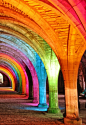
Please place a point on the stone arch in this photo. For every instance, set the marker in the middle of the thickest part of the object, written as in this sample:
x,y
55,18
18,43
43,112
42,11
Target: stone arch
x,y
7,71
29,65
70,58
22,71
7,76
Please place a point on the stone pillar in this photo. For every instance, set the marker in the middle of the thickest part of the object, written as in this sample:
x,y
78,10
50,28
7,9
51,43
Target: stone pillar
x,y
36,91
70,72
41,73
71,97
53,96
70,61
35,88
53,69
35,83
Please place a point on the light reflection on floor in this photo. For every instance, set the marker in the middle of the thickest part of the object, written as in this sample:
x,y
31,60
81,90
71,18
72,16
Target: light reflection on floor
x,y
34,107
22,102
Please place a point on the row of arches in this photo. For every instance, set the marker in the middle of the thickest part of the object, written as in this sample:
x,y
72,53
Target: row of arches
x,y
37,34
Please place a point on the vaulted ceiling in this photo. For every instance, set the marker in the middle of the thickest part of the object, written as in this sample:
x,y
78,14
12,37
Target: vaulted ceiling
x,y
45,25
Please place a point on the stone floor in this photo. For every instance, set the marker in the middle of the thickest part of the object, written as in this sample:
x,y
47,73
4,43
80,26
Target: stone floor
x,y
15,110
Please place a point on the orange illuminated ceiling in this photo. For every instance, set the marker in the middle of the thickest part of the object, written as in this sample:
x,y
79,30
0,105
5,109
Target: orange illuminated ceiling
x,y
54,20
61,24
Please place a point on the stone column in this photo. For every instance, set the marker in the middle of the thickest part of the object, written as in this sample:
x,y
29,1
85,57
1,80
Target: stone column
x,y
70,72
41,73
53,69
53,96
71,97
35,83
70,61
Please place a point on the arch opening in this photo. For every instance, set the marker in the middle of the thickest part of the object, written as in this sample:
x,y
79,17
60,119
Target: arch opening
x,y
4,80
1,78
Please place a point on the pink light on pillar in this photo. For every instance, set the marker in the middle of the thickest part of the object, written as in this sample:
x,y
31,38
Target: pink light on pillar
x,y
35,83
27,85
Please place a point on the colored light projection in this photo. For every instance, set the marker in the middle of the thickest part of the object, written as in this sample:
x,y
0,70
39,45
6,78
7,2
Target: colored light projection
x,y
10,75
55,21
22,71
45,46
13,74
35,87
42,81
29,65
10,82
9,66
13,67
74,15
53,74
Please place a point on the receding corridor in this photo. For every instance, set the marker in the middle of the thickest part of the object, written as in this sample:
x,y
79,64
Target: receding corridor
x,y
43,62
17,109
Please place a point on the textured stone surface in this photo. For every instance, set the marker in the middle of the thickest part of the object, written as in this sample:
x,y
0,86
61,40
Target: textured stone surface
x,y
10,113
62,24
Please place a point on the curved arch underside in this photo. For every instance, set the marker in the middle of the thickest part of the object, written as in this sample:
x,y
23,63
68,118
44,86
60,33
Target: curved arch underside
x,y
44,36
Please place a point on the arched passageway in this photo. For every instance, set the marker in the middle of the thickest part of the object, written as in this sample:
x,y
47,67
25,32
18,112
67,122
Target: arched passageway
x,y
54,29
5,81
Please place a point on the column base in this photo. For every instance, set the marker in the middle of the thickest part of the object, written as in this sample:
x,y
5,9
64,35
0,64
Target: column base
x,y
55,111
43,105
71,121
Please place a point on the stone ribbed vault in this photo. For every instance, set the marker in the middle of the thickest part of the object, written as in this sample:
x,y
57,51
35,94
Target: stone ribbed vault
x,y
56,31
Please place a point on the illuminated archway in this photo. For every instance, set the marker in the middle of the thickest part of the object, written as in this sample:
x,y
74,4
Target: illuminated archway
x,y
67,42
1,78
10,75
